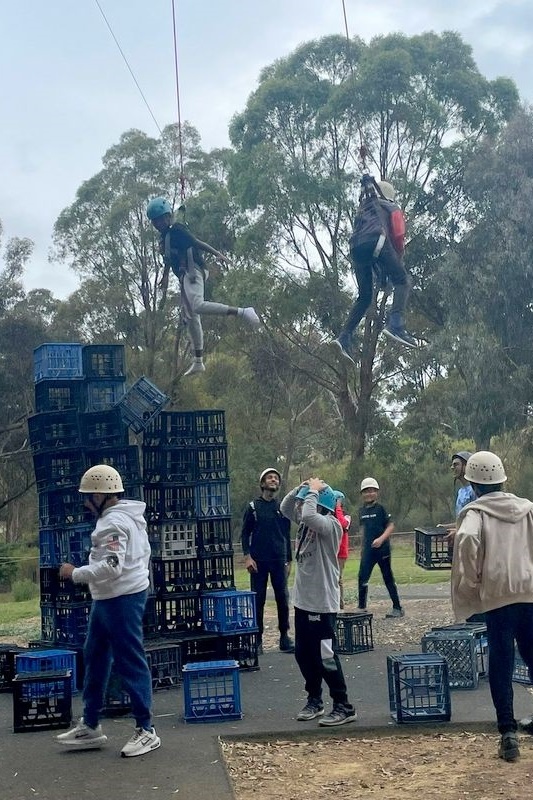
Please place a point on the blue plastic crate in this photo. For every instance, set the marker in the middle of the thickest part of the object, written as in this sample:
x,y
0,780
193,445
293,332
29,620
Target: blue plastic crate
x,y
67,544
42,701
57,361
418,688
210,427
212,499
47,661
228,611
103,361
211,462
211,691
171,540
175,465
171,429
520,671
353,632
141,404
54,430
459,648
102,395
72,621
168,503
214,535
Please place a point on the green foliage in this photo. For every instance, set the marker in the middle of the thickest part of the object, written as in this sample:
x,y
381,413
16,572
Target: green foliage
x,y
24,590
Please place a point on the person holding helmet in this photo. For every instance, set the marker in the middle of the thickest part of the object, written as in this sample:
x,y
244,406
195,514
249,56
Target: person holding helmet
x,y
117,574
181,252
492,572
266,545
344,547
377,527
316,600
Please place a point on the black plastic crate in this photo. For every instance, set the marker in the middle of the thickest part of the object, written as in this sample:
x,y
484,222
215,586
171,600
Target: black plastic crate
x,y
62,507
173,576
101,395
212,499
150,619
7,665
42,701
171,429
214,535
242,647
57,360
117,701
217,571
71,544
65,624
175,465
178,614
212,462
124,459
520,671
459,650
59,395
164,662
418,688
54,430
61,590
169,503
141,404
479,632
353,632
210,427
432,549
59,469
103,429
103,361
199,647
171,540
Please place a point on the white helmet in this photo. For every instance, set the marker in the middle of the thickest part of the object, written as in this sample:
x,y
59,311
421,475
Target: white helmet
x,y
369,483
103,479
387,189
265,473
485,468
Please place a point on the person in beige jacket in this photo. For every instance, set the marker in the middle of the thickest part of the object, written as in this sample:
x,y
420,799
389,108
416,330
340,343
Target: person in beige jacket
x,y
492,572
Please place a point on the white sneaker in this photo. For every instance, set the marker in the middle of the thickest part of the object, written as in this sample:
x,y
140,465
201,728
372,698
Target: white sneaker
x,y
82,737
249,316
195,368
140,743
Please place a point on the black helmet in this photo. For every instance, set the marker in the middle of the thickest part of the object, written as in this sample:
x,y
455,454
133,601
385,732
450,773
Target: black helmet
x,y
464,455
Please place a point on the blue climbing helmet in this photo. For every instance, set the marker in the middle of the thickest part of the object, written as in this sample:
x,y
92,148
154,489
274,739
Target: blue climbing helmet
x,y
157,207
326,497
339,495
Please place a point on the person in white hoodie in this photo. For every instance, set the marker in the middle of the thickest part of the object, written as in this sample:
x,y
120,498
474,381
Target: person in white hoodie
x,y
118,578
492,572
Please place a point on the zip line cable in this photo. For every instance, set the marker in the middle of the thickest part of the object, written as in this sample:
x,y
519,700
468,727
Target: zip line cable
x,y
128,66
178,104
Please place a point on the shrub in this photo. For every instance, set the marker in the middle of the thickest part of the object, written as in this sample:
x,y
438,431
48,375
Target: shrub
x,y
24,590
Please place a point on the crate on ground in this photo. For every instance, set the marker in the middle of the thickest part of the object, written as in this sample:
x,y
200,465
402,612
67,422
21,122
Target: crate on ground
x,y
217,571
49,661
117,701
171,429
8,652
167,503
171,576
169,465
103,361
353,632
65,544
57,361
211,691
103,429
214,535
42,701
178,614
53,395
432,549
141,404
459,648
62,508
164,662
418,688
102,395
170,540
212,499
228,611
210,427
521,671
59,469
479,632
211,462
124,459
54,430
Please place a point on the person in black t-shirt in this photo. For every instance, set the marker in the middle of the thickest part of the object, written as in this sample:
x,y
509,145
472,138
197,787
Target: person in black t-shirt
x,y
266,545
377,528
181,252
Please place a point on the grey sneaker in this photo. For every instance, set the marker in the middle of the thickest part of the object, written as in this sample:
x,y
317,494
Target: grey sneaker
x,y
140,743
81,737
343,345
249,316
394,613
195,368
340,715
311,710
400,335
508,749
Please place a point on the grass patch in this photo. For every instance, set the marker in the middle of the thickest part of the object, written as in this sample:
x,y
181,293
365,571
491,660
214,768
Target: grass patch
x,y
19,619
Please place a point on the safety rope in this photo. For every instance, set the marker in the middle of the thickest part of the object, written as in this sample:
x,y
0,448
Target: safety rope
x,y
178,104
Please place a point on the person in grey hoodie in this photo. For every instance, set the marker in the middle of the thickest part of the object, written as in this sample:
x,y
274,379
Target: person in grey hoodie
x,y
118,578
492,572
316,597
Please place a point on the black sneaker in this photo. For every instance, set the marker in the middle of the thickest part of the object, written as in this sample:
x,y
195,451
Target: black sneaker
x,y
508,749
400,335
526,725
286,645
344,346
340,715
395,612
311,710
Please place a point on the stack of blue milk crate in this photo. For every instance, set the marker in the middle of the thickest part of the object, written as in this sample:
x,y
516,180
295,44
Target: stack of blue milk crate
x,y
186,490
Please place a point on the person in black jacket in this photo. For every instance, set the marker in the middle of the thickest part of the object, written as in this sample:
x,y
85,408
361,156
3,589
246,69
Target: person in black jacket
x,y
375,244
266,545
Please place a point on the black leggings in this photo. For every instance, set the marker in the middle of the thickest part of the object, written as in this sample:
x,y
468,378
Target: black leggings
x,y
369,558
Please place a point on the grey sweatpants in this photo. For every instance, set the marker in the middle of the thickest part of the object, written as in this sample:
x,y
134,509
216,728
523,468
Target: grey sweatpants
x,y
193,306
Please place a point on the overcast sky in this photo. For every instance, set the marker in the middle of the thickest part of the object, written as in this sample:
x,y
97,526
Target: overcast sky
x,y
66,95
